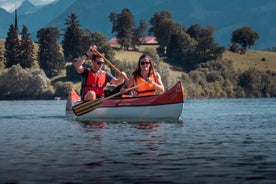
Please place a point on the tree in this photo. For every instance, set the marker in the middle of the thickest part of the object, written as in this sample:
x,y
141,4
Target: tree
x,y
157,18
101,41
11,47
140,33
26,54
181,50
49,55
164,32
206,49
245,37
86,40
163,27
2,61
123,25
72,38
195,31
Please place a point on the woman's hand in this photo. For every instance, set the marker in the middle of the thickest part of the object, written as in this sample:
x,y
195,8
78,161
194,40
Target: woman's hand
x,y
149,80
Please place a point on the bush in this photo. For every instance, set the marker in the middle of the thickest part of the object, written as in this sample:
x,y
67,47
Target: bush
x,y
62,89
214,76
167,76
18,83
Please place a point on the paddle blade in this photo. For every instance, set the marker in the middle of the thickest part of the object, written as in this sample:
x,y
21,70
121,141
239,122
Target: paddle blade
x,y
86,106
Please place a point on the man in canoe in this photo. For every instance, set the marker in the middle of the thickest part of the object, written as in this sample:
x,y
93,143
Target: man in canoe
x,y
147,80
94,78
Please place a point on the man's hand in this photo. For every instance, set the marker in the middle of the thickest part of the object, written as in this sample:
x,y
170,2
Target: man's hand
x,y
123,75
91,50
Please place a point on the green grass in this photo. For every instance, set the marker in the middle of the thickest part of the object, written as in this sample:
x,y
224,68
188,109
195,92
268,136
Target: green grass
x,y
130,56
260,60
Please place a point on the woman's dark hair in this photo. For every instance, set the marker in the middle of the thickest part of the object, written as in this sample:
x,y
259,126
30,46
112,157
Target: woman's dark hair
x,y
137,72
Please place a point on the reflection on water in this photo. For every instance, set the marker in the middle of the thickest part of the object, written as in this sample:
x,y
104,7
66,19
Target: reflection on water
x,y
153,125
92,125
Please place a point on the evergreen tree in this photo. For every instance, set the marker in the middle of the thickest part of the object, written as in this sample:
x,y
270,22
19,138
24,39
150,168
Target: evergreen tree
x,y
2,61
26,55
72,38
11,47
49,55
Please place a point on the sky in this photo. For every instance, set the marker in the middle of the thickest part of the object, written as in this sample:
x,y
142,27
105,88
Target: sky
x,y
10,5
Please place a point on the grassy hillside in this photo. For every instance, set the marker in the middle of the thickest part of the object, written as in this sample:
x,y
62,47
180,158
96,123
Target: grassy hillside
x,y
260,60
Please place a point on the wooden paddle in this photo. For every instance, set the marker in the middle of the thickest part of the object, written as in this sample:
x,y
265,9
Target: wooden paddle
x,y
109,63
90,105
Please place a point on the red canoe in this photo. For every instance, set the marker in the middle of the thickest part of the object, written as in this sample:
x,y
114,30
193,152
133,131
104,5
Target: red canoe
x,y
167,106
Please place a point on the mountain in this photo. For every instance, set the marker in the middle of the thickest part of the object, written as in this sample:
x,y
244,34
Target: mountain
x,y
226,16
27,8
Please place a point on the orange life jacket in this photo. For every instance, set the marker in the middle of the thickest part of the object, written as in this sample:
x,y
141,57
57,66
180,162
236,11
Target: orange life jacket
x,y
146,89
95,82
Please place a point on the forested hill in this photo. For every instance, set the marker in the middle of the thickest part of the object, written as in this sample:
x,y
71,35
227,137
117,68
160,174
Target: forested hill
x,y
224,15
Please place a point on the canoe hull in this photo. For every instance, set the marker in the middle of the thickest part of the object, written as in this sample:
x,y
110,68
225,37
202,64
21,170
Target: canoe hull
x,y
132,113
167,106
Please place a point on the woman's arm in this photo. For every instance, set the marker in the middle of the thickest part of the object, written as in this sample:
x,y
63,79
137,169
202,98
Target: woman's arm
x,y
158,84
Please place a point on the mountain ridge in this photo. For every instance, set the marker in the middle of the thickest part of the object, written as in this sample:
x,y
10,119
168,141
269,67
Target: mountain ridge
x,y
224,15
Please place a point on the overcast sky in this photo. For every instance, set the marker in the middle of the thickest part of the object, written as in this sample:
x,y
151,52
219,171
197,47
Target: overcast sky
x,y
10,5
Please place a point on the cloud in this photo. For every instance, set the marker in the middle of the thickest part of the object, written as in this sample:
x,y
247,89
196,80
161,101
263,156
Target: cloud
x,y
11,5
41,2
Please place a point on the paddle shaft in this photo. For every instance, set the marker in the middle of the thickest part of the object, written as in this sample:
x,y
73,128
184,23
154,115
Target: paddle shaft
x,y
129,89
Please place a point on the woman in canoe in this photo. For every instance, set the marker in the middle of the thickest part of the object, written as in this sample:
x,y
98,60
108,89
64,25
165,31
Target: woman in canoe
x,y
94,78
147,80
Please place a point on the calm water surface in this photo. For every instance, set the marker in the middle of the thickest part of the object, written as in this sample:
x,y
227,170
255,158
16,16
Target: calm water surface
x,y
217,141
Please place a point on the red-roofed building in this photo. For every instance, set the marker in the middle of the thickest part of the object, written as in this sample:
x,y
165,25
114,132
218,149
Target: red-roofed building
x,y
150,40
113,41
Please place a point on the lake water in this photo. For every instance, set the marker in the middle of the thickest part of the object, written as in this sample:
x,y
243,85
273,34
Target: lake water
x,y
217,141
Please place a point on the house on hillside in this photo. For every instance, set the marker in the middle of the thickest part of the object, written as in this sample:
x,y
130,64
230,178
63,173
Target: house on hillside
x,y
149,40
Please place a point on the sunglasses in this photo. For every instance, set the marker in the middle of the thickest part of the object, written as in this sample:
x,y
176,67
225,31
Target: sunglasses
x,y
100,63
144,63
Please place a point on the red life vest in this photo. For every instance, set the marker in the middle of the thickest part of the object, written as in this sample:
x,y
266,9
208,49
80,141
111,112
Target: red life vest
x,y
95,82
145,89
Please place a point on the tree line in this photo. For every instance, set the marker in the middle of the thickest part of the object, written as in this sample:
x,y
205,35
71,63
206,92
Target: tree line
x,y
188,48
